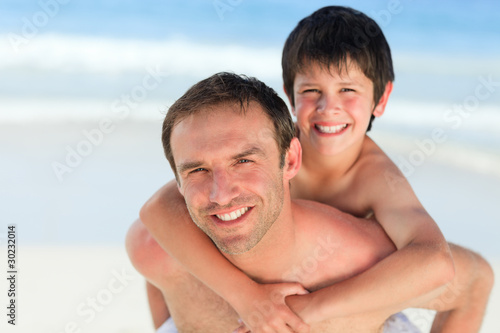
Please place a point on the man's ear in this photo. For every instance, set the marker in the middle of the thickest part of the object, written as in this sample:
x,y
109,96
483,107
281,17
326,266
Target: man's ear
x,y
380,108
178,185
292,107
293,159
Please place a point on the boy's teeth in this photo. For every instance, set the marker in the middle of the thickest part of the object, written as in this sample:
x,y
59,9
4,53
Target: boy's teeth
x,y
330,129
233,215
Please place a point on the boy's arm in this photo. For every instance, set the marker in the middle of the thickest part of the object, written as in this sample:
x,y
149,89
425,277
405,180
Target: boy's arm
x,y
421,264
461,303
166,217
157,306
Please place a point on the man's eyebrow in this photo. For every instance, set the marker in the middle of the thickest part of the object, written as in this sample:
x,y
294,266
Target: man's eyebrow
x,y
188,166
249,151
196,164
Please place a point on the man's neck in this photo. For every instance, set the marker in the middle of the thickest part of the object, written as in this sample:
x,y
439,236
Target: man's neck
x,y
266,262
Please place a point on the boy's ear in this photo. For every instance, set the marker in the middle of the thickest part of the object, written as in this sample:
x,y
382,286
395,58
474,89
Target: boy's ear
x,y
380,108
290,100
293,159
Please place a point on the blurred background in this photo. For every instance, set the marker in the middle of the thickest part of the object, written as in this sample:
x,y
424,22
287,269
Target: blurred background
x,y
84,86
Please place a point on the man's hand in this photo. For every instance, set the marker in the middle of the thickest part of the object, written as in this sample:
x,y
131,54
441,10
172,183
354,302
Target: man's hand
x,y
265,311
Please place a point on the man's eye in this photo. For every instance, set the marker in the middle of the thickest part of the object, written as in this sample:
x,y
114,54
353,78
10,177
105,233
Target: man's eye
x,y
197,170
244,160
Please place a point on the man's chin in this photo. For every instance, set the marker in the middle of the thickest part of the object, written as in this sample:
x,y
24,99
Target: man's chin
x,y
233,246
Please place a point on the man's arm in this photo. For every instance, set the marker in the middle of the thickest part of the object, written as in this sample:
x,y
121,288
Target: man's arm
x,y
166,217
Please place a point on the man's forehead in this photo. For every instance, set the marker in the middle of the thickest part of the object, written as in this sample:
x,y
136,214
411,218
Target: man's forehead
x,y
224,126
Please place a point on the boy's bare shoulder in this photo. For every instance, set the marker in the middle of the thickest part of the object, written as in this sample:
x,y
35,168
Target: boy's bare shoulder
x,y
376,173
374,163
156,206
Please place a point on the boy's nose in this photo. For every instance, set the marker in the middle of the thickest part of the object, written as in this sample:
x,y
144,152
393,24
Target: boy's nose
x,y
329,103
223,189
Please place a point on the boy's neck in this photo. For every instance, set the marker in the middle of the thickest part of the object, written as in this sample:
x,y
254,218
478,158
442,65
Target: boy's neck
x,y
331,167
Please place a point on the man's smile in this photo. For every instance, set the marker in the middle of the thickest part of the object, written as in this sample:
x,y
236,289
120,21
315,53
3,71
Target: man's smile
x,y
233,215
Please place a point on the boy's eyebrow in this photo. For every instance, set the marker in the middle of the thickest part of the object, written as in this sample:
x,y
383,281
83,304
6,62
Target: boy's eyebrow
x,y
349,82
340,82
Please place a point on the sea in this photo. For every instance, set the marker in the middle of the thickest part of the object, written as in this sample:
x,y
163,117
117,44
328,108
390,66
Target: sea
x,y
84,85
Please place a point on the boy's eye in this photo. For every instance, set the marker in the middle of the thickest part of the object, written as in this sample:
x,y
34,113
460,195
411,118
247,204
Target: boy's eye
x,y
346,89
310,91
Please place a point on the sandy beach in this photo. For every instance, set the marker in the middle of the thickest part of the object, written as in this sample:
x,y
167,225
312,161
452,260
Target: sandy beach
x,y
83,85
95,289
73,272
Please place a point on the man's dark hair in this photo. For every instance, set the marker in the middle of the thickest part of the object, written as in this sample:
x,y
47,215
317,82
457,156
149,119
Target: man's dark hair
x,y
230,89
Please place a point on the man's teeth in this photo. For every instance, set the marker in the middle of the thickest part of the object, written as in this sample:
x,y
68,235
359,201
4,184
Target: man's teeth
x,y
330,129
233,215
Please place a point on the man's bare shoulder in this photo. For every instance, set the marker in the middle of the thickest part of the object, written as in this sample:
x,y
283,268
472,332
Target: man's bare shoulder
x,y
353,244
315,217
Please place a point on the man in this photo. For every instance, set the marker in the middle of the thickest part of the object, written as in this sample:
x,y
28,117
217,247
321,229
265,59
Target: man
x,y
230,143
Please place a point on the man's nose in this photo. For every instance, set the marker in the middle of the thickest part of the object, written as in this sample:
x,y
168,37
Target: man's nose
x,y
223,189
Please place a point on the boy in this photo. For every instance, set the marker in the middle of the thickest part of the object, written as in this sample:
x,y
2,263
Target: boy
x,y
338,75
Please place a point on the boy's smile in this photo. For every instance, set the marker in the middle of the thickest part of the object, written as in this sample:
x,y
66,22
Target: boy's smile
x,y
333,109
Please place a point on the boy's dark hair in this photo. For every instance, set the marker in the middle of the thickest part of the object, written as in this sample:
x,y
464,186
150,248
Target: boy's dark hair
x,y
230,89
332,36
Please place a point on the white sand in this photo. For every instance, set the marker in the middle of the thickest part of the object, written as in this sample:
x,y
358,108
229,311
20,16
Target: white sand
x,y
63,286
69,289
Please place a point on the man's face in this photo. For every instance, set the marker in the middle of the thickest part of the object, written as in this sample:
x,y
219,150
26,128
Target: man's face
x,y
229,175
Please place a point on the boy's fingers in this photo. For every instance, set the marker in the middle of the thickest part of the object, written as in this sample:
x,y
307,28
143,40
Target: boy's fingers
x,y
241,329
297,324
294,288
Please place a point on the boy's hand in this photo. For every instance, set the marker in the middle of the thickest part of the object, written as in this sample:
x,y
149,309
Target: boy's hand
x,y
268,312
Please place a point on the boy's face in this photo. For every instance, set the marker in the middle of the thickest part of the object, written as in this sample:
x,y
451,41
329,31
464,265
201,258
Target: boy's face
x,y
333,109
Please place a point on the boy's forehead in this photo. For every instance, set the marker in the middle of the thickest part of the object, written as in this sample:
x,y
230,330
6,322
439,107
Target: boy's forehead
x,y
341,69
